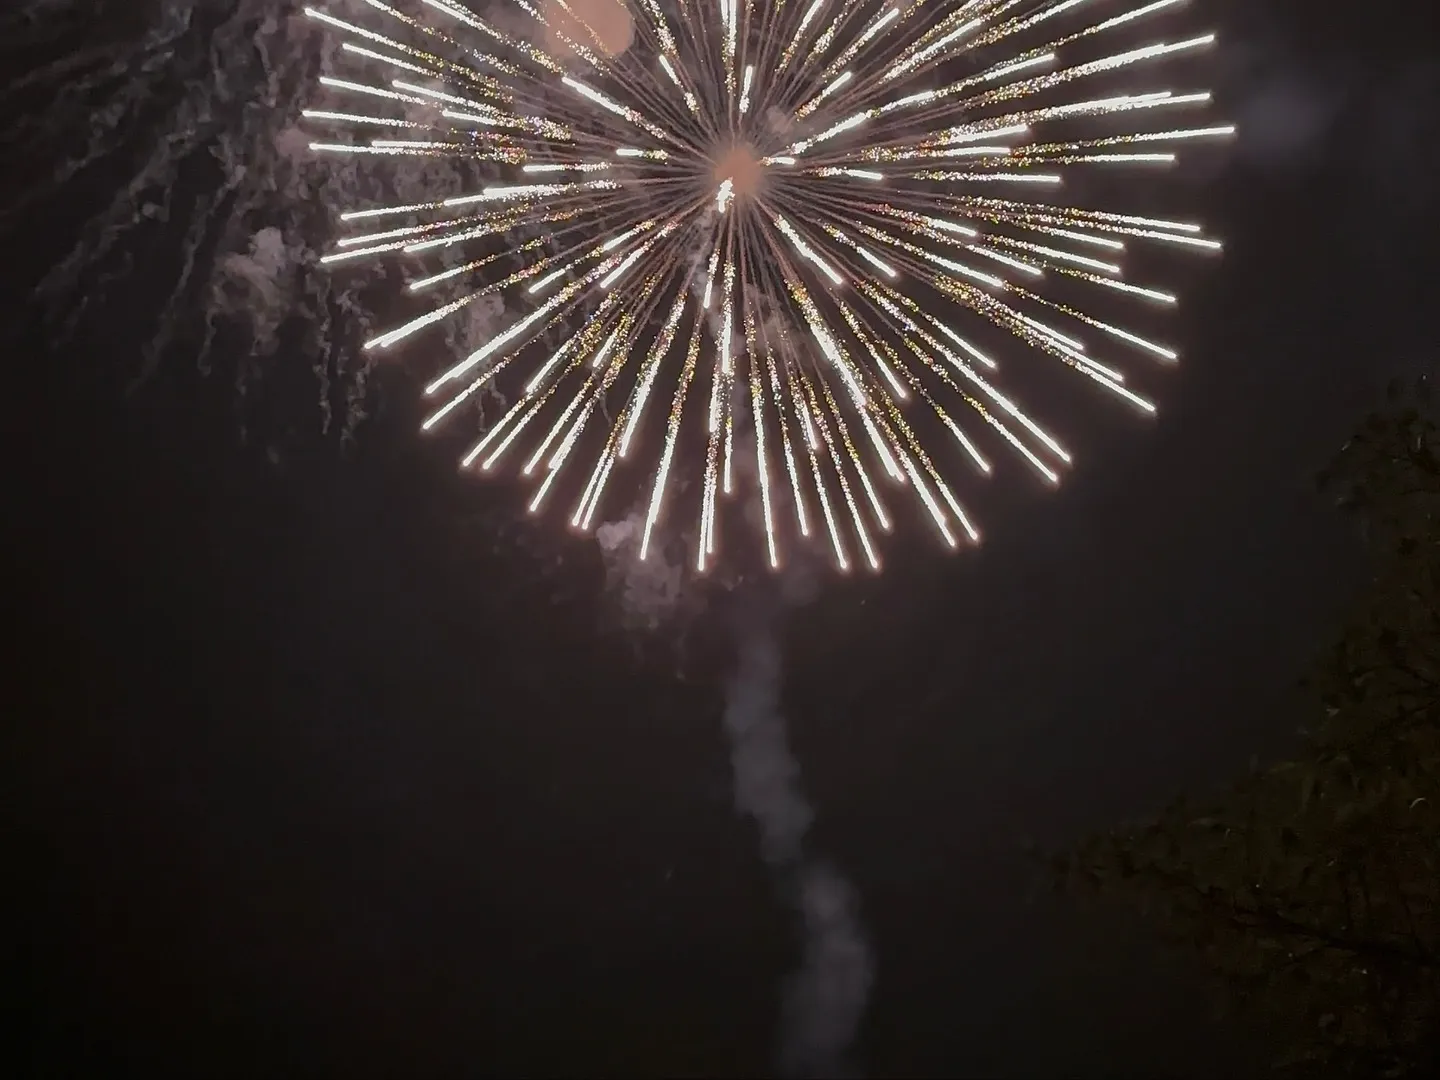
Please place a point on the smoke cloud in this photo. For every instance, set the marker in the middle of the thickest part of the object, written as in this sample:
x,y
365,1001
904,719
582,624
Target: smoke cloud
x,y
198,122
605,24
825,1000
649,591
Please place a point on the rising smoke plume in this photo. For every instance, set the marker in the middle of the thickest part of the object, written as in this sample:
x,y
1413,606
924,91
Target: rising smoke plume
x,y
825,1000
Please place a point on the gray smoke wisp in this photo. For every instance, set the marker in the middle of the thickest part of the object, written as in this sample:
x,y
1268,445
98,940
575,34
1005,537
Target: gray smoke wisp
x,y
194,109
825,1000
649,592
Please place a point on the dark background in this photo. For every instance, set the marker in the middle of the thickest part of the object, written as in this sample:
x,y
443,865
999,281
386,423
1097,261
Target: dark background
x,y
332,766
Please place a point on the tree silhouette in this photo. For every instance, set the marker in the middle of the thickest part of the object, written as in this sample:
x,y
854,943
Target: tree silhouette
x,y
1313,887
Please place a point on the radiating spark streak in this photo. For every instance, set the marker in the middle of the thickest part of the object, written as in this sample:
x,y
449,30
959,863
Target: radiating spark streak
x,y
360,252
577,345
994,395
757,406
531,191
1169,136
1074,343
706,547
886,372
489,436
687,374
802,518
814,103
540,315
348,148
616,241
576,166
1020,65
510,436
883,267
362,88
969,349
858,174
729,452
576,401
931,50
430,144
810,13
940,260
986,133
839,197
341,24
380,211
619,110
1070,257
710,276
1134,290
459,399
1189,241
829,443
1156,159
948,226
355,118
608,282
865,38
1161,351
849,124
1137,13
652,369
1084,238
547,280
975,151
420,284
1014,264
430,93
385,58
806,250
983,178
857,462
910,99
812,446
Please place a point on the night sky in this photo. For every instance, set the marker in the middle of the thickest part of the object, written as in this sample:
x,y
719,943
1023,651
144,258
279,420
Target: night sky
x,y
334,765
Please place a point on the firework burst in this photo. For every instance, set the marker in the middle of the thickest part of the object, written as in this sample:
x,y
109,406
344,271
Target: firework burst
x,y
790,221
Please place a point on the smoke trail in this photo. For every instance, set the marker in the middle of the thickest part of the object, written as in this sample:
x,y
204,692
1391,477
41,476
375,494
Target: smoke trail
x,y
825,999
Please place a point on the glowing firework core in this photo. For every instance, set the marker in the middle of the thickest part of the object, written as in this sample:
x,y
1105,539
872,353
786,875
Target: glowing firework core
x,y
899,166
741,166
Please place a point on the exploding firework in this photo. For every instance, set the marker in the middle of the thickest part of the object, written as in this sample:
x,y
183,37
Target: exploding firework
x,y
792,221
